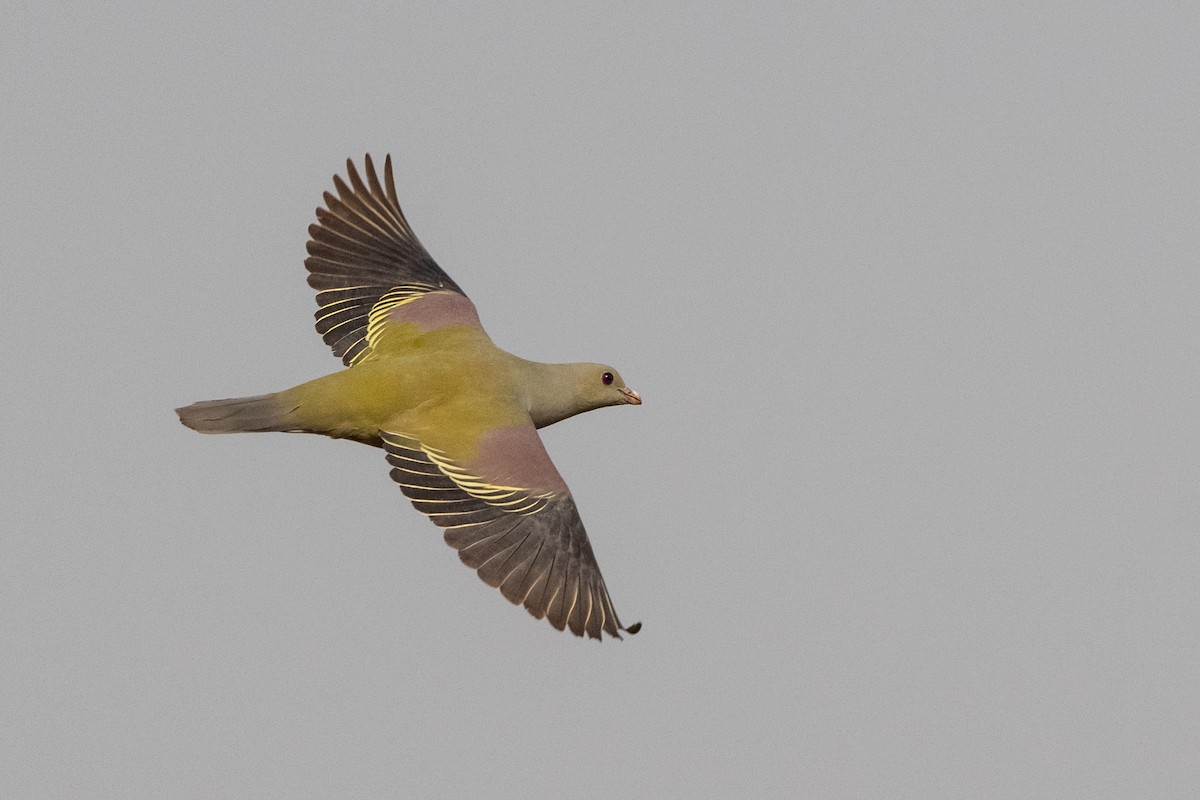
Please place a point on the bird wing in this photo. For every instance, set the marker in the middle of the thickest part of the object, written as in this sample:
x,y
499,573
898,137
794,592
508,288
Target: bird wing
x,y
368,268
511,517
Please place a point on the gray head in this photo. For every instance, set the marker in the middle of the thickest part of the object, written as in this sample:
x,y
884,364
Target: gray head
x,y
564,390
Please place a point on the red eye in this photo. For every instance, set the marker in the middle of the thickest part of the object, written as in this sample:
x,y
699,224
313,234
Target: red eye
x,y
607,378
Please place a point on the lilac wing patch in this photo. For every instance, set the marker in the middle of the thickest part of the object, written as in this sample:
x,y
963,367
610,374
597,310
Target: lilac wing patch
x,y
435,310
515,456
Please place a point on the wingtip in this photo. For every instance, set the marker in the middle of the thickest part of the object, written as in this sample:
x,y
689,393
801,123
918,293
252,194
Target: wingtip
x,y
369,163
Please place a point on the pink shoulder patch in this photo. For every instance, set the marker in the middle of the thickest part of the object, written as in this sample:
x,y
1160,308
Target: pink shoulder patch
x,y
515,456
437,310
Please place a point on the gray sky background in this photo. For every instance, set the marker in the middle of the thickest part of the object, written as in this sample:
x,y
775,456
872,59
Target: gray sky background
x,y
912,509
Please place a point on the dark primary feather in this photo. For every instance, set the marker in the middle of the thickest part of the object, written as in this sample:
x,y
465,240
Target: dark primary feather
x,y
532,547
361,248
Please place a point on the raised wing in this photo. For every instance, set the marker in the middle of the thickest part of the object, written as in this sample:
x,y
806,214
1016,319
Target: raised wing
x,y
365,263
524,537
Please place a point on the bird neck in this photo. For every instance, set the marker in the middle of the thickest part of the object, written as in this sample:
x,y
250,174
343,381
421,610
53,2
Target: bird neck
x,y
552,393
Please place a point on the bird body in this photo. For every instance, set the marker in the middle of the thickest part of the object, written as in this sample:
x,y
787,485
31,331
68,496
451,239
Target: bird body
x,y
456,414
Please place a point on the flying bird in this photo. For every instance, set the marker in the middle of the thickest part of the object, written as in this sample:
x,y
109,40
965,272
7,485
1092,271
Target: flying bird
x,y
456,415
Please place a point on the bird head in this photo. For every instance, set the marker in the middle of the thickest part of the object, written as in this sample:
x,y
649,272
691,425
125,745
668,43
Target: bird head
x,y
564,390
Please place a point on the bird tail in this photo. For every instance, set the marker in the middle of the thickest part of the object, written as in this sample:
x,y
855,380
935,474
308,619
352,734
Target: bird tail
x,y
265,412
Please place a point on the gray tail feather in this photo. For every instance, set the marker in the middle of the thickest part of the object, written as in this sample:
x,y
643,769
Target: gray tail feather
x,y
262,413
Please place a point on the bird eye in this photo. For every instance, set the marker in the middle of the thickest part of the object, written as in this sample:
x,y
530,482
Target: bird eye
x,y
607,378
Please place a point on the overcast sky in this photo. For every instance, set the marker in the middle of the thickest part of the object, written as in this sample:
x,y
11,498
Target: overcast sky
x,y
912,508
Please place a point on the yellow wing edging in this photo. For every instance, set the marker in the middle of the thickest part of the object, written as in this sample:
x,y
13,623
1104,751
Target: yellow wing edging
x,y
377,318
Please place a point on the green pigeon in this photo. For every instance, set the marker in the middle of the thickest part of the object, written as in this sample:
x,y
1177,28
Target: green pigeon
x,y
456,415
